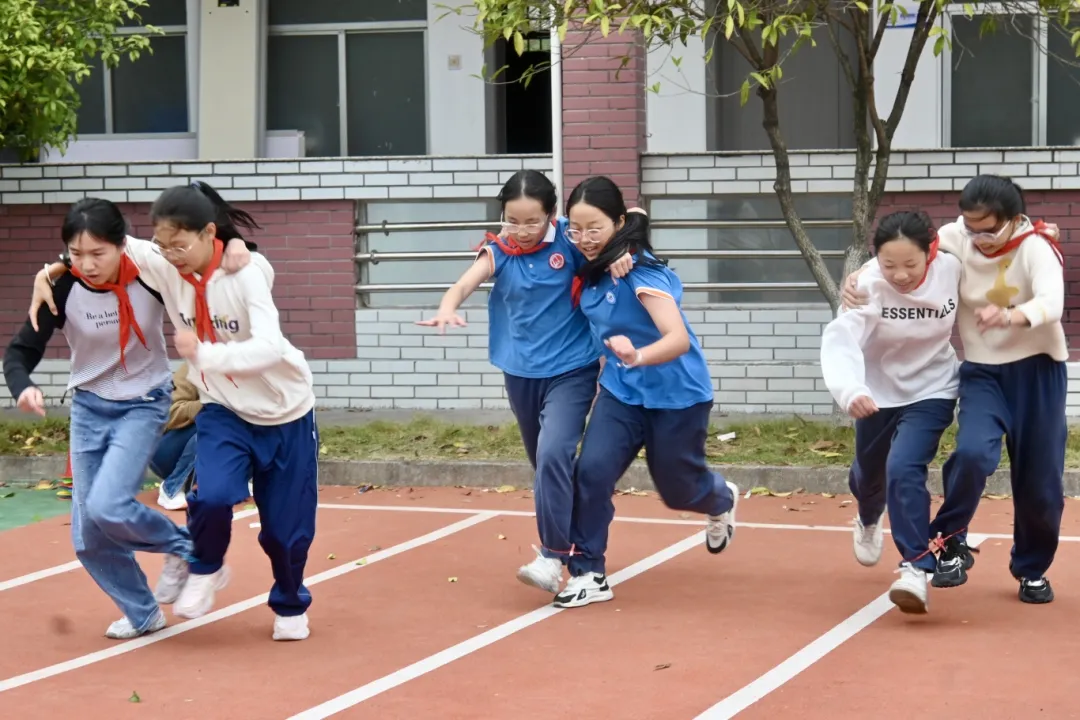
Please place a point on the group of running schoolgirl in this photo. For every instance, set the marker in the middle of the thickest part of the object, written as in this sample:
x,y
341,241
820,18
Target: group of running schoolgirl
x,y
587,327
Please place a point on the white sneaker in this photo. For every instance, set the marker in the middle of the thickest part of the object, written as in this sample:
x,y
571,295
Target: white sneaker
x,y
543,572
123,630
584,590
172,579
176,502
720,529
909,592
197,597
291,628
868,541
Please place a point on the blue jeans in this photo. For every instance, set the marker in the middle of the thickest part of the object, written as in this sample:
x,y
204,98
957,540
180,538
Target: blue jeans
x,y
111,444
174,459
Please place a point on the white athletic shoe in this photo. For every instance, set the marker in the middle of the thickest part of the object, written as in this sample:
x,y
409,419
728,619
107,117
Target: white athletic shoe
x,y
172,579
909,592
868,541
584,590
197,597
291,628
123,630
176,502
720,529
543,572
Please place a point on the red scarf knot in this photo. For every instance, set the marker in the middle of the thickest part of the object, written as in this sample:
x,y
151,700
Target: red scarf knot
x,y
127,274
204,322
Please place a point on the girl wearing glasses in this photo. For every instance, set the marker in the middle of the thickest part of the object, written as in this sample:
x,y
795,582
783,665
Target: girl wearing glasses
x,y
1012,381
655,392
542,343
257,418
111,314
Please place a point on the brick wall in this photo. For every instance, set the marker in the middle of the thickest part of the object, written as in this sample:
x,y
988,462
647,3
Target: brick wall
x,y
604,129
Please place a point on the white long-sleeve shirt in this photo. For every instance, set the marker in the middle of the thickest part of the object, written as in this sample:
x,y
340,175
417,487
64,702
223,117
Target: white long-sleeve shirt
x,y
896,349
1029,279
271,383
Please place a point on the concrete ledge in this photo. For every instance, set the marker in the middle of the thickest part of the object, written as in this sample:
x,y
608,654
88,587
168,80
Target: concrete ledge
x,y
29,470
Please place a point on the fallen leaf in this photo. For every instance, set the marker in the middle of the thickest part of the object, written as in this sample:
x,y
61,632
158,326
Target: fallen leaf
x,y
44,485
992,496
502,537
823,445
5,496
250,506
452,579
824,454
375,548
331,556
782,494
662,666
134,697
759,491
361,561
845,503
322,449
505,489
827,495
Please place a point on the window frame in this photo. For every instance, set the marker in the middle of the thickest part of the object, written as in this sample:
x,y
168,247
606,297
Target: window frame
x,y
190,88
1039,74
341,30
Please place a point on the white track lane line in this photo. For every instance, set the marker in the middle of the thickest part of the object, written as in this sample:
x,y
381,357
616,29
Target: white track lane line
x,y
645,521
478,642
749,694
75,564
236,608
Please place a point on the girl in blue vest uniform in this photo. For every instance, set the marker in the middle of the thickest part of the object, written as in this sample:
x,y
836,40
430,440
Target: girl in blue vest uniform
x,y
655,391
542,343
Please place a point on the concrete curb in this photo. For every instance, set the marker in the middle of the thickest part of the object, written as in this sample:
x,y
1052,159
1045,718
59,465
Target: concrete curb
x,y
23,471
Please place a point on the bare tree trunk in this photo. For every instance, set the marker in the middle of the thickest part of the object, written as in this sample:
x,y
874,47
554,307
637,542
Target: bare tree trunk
x,y
782,187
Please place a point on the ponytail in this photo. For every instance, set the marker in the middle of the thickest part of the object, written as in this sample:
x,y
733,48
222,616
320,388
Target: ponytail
x,y
193,207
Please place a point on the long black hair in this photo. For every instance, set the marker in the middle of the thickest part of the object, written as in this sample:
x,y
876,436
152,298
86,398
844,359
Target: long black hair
x,y
97,217
193,207
633,237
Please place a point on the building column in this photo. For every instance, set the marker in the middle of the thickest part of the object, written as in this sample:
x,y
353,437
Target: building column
x,y
231,52
603,110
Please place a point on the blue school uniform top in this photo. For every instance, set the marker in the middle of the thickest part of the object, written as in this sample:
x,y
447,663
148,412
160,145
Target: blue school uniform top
x,y
534,329
613,308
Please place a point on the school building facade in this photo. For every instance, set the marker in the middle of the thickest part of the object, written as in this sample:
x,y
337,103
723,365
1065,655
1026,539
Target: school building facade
x,y
359,135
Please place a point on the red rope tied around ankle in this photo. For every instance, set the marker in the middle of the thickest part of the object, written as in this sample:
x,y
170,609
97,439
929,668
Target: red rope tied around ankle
x,y
569,553
938,544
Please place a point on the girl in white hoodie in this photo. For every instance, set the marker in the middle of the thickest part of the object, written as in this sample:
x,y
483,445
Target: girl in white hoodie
x,y
890,364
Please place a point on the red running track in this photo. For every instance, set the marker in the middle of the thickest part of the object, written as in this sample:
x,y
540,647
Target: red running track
x,y
784,624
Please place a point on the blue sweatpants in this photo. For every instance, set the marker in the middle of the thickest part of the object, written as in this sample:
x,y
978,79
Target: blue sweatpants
x,y
282,461
674,442
551,415
1024,401
893,448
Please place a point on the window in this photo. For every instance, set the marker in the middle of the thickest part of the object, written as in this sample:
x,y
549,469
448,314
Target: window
x,y
1013,87
813,77
351,76
750,208
149,95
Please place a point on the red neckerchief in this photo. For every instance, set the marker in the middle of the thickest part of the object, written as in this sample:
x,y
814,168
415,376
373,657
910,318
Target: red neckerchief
x,y
929,259
204,323
1037,228
126,275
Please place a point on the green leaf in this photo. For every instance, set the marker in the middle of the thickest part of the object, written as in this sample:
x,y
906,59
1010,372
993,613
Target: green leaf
x,y
729,27
744,92
519,43
605,25
134,697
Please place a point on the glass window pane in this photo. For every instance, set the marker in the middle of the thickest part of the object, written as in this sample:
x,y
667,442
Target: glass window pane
x,y
386,104
424,271
306,12
749,208
161,12
302,90
91,113
150,94
992,82
1062,90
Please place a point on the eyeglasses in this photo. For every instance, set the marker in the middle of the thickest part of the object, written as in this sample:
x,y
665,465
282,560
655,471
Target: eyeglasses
x,y
593,235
